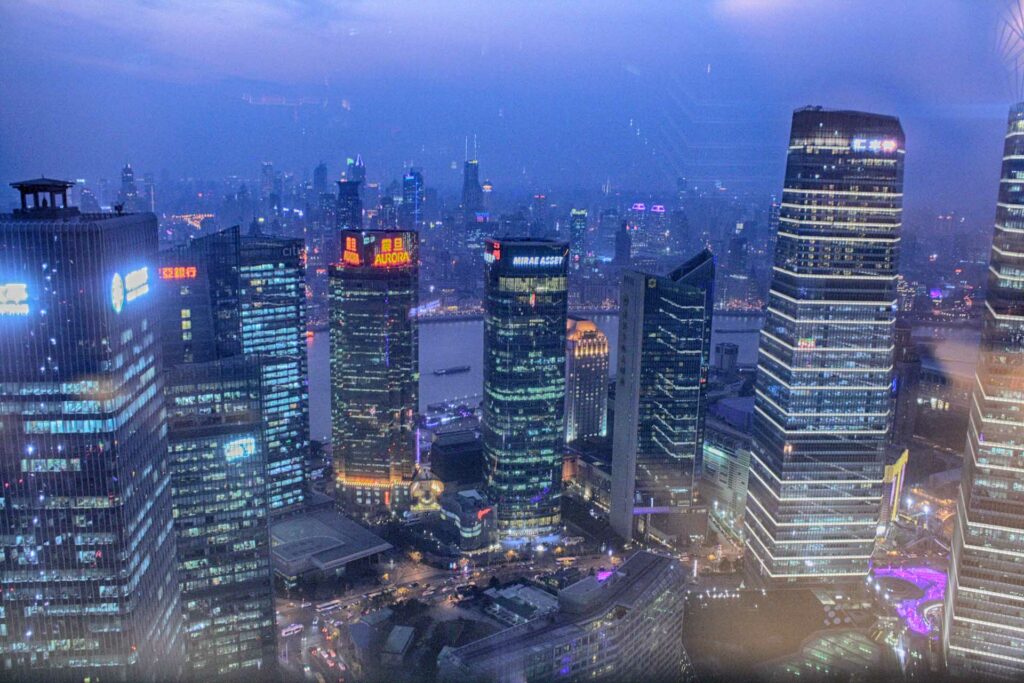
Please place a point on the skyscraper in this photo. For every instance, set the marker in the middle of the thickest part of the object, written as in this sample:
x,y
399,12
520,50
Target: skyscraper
x,y
350,207
984,618
374,370
824,385
586,380
472,192
410,212
87,543
665,350
525,308
221,510
577,235
230,294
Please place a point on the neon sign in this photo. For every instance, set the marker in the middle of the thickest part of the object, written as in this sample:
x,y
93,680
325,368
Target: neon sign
x,y
178,273
14,299
888,146
392,253
238,449
136,283
128,288
117,292
537,261
351,254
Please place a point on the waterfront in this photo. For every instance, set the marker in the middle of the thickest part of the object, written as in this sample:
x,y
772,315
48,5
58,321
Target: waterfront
x,y
446,344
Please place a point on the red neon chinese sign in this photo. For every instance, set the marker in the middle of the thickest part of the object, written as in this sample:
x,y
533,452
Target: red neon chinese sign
x,y
392,253
351,253
178,273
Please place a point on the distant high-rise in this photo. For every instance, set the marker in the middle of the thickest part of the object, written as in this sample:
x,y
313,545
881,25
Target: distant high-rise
x,y
374,370
472,192
128,195
824,385
586,380
319,180
665,350
221,509
86,530
525,310
410,211
228,294
577,235
350,207
623,245
356,169
983,636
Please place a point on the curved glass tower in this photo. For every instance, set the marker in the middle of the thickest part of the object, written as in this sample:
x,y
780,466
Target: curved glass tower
x,y
984,629
825,366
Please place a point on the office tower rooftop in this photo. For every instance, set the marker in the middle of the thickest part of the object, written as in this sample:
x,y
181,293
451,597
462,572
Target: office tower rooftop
x,y
823,394
87,547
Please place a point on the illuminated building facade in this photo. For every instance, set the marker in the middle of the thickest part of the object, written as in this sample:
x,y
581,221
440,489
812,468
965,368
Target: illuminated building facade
x,y
824,389
410,211
272,315
374,370
230,294
660,398
525,310
577,235
586,380
984,617
221,509
87,544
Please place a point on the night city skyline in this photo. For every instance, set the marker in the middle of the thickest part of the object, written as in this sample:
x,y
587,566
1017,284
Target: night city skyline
x,y
349,341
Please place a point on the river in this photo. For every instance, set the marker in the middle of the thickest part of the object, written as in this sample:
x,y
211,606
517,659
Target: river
x,y
451,343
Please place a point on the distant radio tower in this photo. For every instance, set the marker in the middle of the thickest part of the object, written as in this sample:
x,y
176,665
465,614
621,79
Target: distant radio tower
x,y
1011,46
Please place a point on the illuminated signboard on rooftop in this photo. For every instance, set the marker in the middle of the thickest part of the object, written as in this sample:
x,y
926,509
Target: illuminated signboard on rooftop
x,y
351,253
536,261
14,299
178,273
888,145
392,253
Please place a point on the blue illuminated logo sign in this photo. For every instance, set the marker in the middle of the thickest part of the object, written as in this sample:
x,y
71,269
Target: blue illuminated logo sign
x,y
128,288
117,292
536,261
885,145
241,448
14,298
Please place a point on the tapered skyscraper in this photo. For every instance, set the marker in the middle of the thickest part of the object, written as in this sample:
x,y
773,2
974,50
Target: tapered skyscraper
x,y
825,369
984,618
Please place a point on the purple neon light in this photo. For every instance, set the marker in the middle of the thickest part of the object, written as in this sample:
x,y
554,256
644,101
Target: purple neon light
x,y
931,581
603,576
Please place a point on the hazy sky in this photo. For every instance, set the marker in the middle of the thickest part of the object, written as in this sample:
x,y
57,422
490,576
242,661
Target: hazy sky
x,y
560,94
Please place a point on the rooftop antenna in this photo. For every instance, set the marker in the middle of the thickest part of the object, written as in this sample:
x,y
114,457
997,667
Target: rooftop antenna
x,y
476,153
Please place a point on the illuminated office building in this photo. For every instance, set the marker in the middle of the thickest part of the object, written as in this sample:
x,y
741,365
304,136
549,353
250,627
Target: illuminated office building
x,y
586,380
824,388
87,544
219,490
410,211
577,235
660,399
230,294
374,370
525,307
984,617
